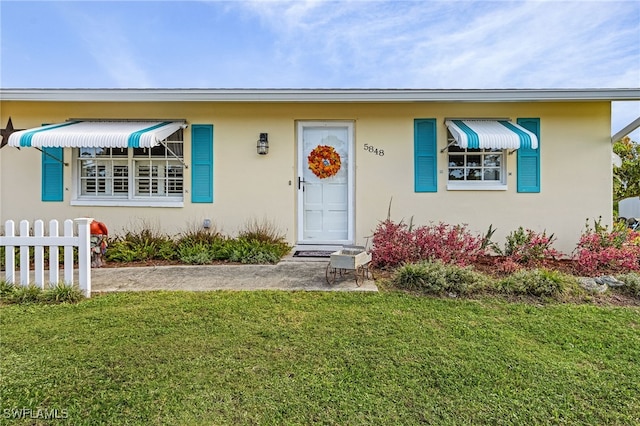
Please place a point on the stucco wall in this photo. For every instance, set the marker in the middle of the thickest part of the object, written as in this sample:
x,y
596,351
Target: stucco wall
x,y
575,160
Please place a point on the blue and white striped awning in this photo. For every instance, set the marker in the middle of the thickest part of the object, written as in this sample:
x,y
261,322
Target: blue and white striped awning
x,y
98,134
491,134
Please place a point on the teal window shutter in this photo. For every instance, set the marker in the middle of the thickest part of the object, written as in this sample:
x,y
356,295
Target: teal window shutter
x,y
529,159
52,174
425,155
202,163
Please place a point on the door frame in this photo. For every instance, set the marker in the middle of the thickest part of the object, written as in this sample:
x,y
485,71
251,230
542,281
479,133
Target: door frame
x,y
301,164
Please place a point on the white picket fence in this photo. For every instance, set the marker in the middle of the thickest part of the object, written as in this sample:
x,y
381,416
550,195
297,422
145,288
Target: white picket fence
x,y
53,241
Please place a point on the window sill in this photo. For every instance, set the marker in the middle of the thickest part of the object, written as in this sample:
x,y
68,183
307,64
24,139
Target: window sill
x,y
476,187
127,203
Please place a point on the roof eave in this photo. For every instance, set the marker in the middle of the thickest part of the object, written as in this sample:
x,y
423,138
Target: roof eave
x,y
319,95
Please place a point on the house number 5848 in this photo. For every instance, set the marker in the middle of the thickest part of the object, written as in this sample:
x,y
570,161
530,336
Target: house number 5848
x,y
373,150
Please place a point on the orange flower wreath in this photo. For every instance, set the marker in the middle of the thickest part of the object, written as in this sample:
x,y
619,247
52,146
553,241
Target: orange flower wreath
x,y
324,161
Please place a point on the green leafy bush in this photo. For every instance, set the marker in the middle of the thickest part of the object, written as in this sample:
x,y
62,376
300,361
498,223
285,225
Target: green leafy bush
x,y
199,235
6,289
200,246
258,242
25,294
438,278
144,244
256,252
264,230
537,282
527,247
195,253
62,293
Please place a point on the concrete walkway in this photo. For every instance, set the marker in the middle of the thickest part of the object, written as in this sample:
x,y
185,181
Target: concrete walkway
x,y
289,274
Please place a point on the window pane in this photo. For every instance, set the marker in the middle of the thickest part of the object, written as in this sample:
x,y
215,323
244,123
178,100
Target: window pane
x,y
492,174
88,169
140,152
119,152
456,174
473,160
120,179
492,160
456,161
87,152
158,151
176,136
176,148
103,152
474,174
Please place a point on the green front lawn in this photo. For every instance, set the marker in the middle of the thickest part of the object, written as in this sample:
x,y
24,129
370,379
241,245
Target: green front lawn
x,y
329,358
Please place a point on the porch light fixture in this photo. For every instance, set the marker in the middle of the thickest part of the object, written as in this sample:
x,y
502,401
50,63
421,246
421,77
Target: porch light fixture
x,y
263,144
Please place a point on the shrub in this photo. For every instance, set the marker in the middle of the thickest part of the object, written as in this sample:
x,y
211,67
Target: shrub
x,y
537,282
452,244
398,243
262,231
600,250
438,278
255,252
631,284
145,244
527,247
199,235
392,245
121,251
25,294
259,242
6,290
195,253
62,293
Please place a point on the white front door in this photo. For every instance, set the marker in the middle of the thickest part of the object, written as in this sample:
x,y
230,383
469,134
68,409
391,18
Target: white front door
x,y
325,182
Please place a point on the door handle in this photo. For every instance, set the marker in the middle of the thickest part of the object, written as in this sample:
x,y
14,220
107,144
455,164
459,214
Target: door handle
x,y
300,182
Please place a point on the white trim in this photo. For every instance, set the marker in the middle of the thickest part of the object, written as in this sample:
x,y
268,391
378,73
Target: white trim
x,y
126,203
349,124
466,186
319,95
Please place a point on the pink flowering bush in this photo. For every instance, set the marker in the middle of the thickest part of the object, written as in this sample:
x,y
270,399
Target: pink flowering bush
x,y
602,251
392,245
452,244
398,243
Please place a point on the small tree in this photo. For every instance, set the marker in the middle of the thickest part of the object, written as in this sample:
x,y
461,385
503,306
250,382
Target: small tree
x,y
626,178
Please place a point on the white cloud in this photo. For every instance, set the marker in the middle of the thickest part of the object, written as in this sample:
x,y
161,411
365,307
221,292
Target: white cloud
x,y
457,44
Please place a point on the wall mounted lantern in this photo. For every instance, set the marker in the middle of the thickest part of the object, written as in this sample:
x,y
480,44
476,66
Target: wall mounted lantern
x,y
263,144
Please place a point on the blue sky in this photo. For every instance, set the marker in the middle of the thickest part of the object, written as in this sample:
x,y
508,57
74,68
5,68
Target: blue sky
x,y
323,44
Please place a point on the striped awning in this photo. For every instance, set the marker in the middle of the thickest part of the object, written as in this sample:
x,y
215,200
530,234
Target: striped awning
x,y
491,134
98,134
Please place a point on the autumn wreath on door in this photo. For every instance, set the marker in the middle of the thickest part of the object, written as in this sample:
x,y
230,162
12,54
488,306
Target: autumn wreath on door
x,y
324,161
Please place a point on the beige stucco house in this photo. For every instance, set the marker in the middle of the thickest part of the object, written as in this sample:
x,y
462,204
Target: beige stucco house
x,y
175,158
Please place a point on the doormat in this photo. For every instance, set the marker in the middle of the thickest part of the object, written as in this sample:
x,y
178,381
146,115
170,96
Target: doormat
x,y
312,253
